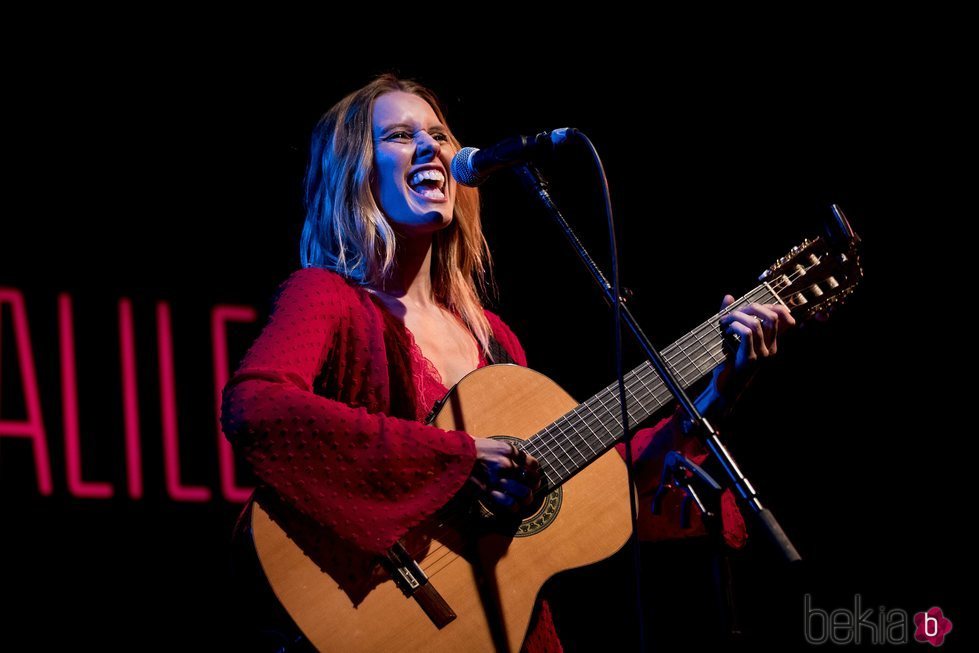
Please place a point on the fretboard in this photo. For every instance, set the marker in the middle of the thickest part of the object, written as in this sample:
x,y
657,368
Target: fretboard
x,y
569,444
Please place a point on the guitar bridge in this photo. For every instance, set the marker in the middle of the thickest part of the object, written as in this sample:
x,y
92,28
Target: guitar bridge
x,y
413,583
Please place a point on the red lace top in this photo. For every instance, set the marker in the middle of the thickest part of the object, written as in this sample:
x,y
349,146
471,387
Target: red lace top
x,y
327,407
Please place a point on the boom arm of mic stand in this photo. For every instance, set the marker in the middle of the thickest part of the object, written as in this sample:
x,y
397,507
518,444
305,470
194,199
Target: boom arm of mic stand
x,y
537,186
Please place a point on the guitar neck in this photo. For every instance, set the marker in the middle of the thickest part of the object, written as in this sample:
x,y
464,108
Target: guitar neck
x,y
569,444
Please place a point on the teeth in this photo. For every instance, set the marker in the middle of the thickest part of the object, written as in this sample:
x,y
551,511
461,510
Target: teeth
x,y
432,193
435,175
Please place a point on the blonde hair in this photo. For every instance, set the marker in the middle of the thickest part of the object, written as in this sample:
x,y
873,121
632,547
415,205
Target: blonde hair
x,y
346,231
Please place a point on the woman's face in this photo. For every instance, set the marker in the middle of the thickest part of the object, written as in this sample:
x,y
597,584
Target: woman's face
x,y
412,155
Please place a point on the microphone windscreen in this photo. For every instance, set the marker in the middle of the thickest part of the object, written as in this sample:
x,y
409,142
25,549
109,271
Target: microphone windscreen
x,y
461,167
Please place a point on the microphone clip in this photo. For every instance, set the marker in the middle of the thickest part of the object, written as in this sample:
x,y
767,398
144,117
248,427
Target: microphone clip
x,y
681,472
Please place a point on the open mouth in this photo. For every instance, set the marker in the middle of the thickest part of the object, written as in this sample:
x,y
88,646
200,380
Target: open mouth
x,y
430,184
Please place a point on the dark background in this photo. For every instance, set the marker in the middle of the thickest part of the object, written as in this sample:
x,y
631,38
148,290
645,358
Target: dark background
x,y
173,172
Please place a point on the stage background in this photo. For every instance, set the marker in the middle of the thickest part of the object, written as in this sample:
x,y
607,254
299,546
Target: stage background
x,y
173,174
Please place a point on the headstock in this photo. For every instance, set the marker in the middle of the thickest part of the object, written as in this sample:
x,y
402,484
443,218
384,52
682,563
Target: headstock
x,y
818,275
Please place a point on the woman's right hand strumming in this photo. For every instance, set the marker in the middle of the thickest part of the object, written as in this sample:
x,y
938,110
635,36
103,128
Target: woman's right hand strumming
x,y
506,475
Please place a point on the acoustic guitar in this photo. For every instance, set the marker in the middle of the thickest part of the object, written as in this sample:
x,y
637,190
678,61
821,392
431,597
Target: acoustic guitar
x,y
472,583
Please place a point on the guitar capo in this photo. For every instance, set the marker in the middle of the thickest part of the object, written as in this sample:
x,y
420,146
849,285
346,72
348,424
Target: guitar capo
x,y
679,471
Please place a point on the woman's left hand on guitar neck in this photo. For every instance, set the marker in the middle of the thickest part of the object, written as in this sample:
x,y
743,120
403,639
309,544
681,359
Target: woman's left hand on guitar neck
x,y
755,328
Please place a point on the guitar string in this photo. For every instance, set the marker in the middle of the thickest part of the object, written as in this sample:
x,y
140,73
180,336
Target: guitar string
x,y
555,431
638,377
631,386
712,353
611,419
643,372
708,327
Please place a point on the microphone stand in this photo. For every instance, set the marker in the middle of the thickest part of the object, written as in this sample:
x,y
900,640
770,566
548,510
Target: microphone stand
x,y
537,186
681,472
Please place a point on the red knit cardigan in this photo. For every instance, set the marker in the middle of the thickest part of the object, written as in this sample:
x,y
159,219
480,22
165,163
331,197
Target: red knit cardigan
x,y
327,407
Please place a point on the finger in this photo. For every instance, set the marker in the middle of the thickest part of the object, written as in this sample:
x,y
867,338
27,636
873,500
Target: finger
x,y
530,476
529,473
496,469
765,312
727,301
769,323
753,322
494,453
785,316
759,334
532,464
514,488
752,328
481,470
520,458
479,483
506,463
503,500
746,350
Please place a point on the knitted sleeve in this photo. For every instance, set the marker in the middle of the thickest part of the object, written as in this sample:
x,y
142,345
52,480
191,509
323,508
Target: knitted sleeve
x,y
367,476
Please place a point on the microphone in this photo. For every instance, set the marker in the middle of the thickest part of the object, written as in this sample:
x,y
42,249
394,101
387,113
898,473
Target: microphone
x,y
472,166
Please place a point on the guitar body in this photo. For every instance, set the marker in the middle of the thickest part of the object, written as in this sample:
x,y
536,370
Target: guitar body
x,y
486,572
491,580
